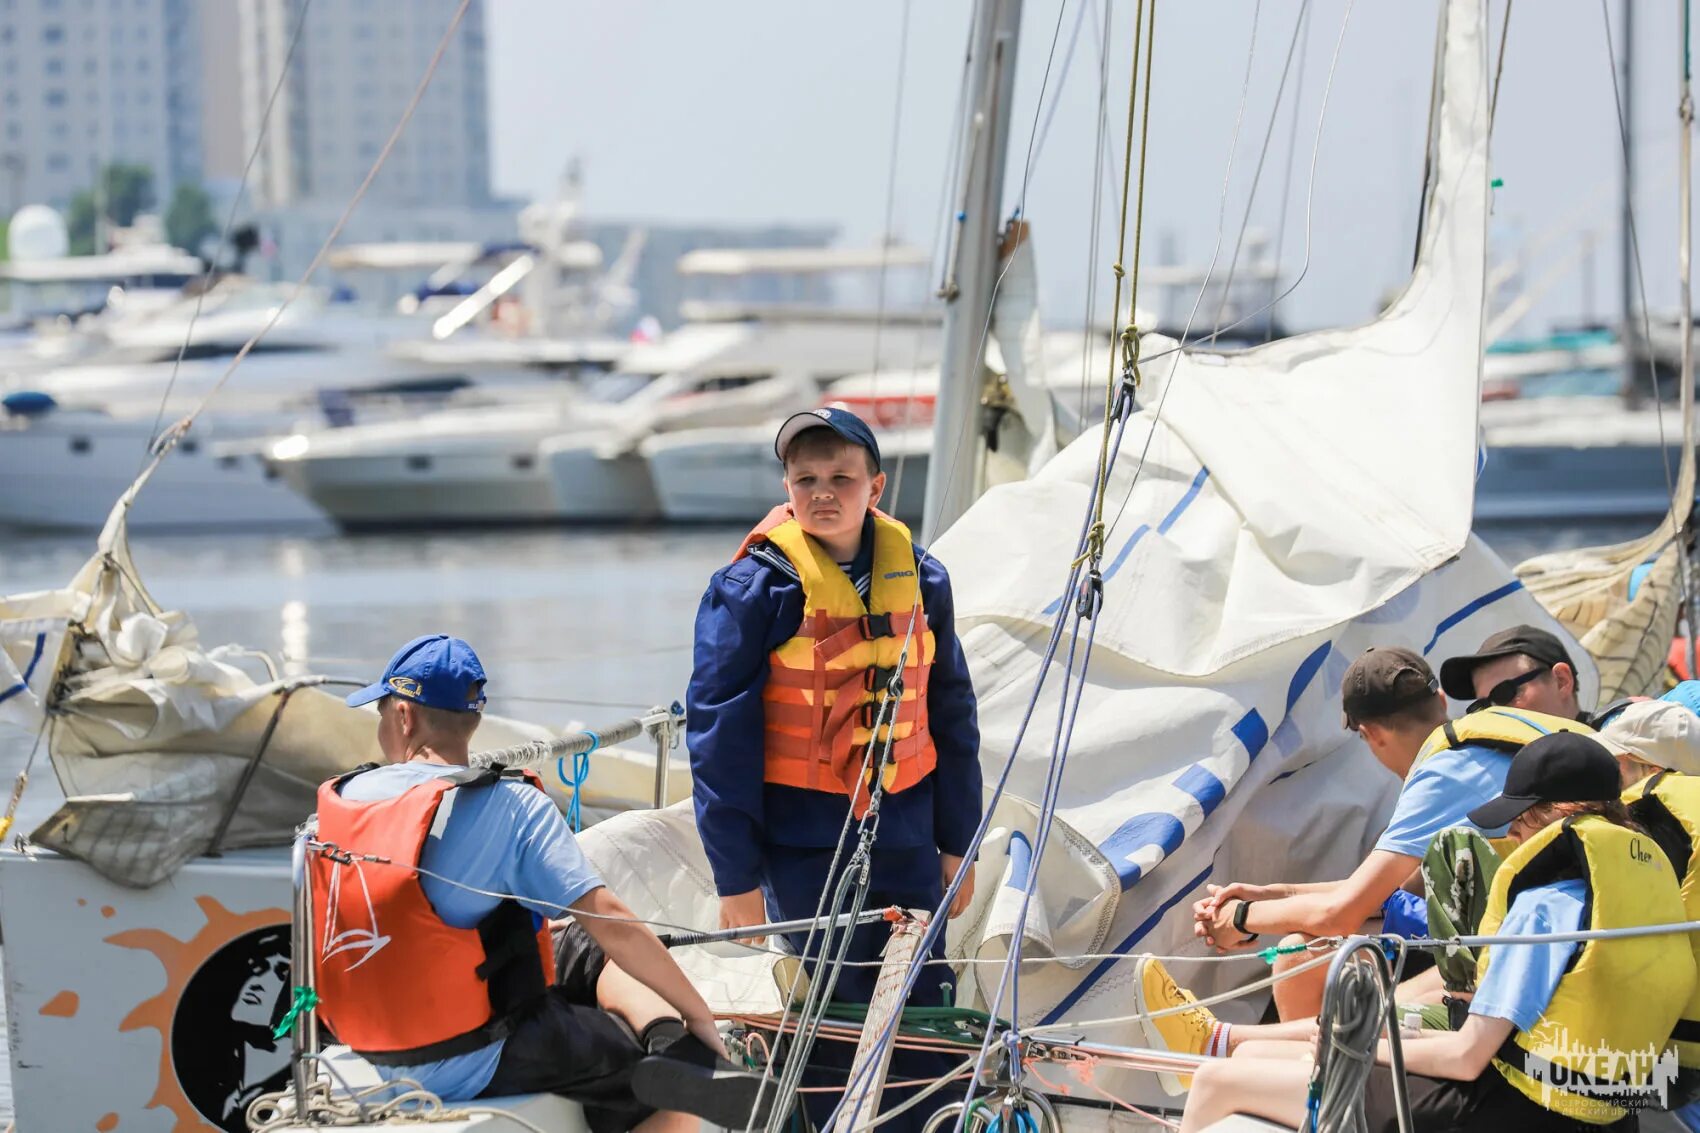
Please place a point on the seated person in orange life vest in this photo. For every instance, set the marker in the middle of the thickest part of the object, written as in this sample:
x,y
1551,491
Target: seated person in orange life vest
x,y
796,641
474,996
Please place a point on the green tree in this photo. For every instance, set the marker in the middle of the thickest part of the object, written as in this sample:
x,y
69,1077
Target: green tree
x,y
126,191
188,219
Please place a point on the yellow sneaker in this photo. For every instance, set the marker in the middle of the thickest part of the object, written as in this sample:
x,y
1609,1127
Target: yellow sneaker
x,y
1183,1032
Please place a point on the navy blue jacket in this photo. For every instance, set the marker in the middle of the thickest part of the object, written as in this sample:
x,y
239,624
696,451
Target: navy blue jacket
x,y
752,607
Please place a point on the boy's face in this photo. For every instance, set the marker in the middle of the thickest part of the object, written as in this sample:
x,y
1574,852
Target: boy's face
x,y
832,490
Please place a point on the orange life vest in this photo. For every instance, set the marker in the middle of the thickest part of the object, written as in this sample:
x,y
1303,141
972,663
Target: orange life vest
x,y
825,686
396,983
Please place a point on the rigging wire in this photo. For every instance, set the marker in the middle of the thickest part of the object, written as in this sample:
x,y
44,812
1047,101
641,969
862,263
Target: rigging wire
x,y
1303,32
229,225
1257,173
1684,322
167,440
1310,202
890,192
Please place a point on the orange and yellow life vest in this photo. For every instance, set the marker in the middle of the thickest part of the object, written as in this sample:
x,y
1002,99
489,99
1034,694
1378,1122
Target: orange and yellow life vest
x,y
397,983
854,675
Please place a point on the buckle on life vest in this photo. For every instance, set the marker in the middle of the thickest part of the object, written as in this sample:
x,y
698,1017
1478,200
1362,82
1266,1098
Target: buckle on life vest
x,y
876,678
876,625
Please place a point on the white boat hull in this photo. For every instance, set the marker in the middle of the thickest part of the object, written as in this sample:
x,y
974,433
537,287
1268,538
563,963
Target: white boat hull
x,y
731,476
162,993
592,488
497,484
66,471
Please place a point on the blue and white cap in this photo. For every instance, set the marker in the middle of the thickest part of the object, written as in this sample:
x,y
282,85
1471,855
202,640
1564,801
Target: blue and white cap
x,y
436,670
841,421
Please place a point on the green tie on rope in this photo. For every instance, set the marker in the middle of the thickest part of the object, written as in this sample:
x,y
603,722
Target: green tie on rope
x,y
1269,954
306,999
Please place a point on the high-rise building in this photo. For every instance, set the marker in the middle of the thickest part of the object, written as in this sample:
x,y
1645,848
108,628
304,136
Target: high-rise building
x,y
355,67
87,83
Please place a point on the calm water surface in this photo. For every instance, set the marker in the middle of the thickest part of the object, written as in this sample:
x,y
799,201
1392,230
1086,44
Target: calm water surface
x,y
573,626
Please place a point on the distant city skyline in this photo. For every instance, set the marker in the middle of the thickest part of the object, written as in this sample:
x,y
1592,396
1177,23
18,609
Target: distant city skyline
x,y
783,112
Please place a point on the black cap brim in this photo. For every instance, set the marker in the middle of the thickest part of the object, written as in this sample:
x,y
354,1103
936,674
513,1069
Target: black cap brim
x,y
1501,811
1456,673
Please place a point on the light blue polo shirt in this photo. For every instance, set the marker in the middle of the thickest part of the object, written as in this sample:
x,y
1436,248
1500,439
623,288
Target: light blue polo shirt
x,y
1441,792
1521,978
508,838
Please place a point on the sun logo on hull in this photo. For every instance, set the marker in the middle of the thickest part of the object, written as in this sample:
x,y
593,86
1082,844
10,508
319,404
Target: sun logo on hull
x,y
225,987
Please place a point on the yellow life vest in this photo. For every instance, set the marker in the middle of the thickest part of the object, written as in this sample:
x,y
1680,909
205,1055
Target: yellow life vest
x,y
1679,796
825,685
1504,729
1606,1031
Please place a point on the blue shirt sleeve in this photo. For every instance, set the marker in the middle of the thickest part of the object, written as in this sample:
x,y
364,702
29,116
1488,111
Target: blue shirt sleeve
x,y
1521,978
1440,793
952,715
725,722
547,867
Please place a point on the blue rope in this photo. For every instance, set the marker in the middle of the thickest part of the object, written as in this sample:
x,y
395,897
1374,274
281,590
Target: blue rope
x,y
581,772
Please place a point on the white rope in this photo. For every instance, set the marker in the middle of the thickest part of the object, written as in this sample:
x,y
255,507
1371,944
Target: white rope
x,y
405,1102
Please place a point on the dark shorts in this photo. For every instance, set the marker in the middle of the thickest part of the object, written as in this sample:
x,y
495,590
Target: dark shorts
x,y
565,1044
1490,1104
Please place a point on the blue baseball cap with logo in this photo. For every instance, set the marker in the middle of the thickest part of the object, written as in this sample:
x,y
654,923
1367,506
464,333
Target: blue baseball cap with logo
x,y
436,670
841,421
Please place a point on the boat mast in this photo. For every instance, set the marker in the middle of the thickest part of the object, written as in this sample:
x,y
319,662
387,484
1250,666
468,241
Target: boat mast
x,y
1631,335
1685,325
954,473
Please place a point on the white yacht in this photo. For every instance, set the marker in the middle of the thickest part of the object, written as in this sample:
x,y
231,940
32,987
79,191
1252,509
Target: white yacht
x,y
729,474
782,367
476,460
72,438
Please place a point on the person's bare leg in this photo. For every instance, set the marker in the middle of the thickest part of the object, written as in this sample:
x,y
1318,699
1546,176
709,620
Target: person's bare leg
x,y
1273,1089
618,993
1293,1031
1288,1049
668,1121
1300,996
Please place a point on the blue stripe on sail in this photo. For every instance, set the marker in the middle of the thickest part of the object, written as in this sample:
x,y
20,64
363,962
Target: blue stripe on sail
x,y
1199,782
1140,532
1154,828
1020,861
29,670
1138,934
1287,738
1487,599
1252,732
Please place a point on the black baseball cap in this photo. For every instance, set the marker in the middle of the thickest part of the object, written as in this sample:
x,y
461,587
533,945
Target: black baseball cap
x,y
1381,682
840,420
1542,646
1562,767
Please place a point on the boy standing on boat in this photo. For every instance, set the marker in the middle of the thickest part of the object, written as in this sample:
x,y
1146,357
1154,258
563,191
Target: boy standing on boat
x,y
829,623
432,892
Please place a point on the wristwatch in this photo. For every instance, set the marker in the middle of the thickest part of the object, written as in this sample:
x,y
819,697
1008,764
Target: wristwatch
x,y
1239,920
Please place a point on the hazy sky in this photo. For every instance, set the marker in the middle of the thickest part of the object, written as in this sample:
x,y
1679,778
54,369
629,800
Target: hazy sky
x,y
785,110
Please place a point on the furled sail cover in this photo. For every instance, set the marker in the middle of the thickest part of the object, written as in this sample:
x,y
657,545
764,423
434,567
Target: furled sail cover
x,y
151,732
1623,616
1300,502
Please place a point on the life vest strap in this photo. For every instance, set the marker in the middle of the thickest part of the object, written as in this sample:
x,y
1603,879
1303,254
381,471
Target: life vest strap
x,y
1686,1031
868,627
476,1039
783,676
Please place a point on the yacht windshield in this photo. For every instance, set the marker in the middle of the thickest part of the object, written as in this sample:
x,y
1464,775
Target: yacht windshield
x,y
615,387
